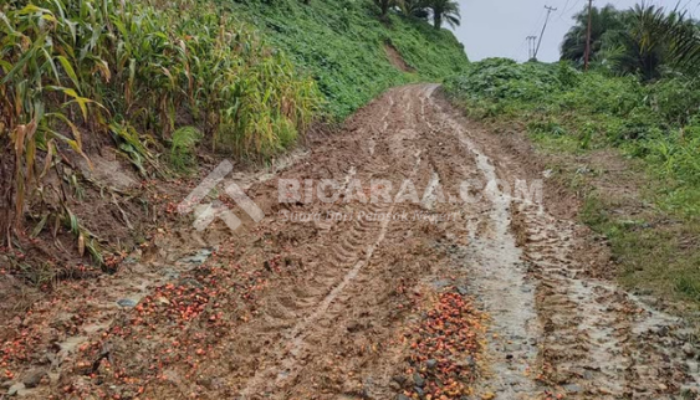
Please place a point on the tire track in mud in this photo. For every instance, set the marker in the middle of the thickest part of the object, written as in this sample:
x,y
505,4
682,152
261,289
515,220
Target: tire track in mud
x,y
346,252
332,323
500,279
596,336
543,314
583,328
594,340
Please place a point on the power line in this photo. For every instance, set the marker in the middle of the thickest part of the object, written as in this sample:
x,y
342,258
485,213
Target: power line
x,y
566,4
549,11
514,53
532,32
566,9
535,27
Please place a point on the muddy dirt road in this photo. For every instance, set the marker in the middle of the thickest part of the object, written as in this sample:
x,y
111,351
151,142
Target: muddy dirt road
x,y
491,298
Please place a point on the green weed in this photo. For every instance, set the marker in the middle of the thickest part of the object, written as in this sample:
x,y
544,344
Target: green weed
x,y
659,123
183,147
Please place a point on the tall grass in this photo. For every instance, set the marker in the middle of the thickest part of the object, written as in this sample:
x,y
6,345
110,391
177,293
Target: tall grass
x,y
71,68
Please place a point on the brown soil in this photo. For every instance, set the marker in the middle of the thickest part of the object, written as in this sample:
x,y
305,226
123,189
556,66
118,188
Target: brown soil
x,y
505,300
396,59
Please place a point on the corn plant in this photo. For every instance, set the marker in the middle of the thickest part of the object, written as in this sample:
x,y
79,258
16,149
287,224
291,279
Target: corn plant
x,y
131,70
41,96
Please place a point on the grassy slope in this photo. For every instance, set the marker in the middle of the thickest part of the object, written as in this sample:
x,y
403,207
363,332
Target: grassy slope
x,y
341,44
654,227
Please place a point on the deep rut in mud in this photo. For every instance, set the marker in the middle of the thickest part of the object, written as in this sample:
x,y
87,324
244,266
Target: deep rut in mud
x,y
489,303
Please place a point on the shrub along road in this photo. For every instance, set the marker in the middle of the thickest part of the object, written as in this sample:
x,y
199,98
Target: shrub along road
x,y
498,301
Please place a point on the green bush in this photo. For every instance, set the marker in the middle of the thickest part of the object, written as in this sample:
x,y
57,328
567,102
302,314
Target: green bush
x,y
500,79
658,122
677,100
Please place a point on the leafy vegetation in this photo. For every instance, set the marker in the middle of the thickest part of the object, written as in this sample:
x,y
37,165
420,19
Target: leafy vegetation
x,y
158,79
341,45
657,124
645,40
440,10
444,11
183,147
603,21
130,71
641,98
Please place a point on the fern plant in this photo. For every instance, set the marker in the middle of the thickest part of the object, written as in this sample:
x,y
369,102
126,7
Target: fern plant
x,y
183,148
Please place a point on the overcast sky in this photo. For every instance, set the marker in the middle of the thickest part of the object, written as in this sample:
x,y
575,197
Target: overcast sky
x,y
498,28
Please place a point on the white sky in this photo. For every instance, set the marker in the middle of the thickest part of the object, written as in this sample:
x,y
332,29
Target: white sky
x,y
498,28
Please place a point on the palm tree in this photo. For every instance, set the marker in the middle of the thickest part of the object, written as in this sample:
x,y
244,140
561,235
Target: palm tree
x,y
415,8
604,22
444,10
385,6
640,41
677,35
635,50
653,40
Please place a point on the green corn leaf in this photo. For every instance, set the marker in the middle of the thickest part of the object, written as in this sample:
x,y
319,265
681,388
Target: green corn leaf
x,y
48,17
82,101
69,70
6,66
74,129
40,226
32,9
73,222
58,6
49,62
73,144
28,56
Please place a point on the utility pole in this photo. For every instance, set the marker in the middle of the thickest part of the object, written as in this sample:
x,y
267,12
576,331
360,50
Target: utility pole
x,y
549,11
531,47
587,54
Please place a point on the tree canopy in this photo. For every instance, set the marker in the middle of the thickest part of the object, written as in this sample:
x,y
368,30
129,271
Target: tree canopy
x,y
441,11
644,40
